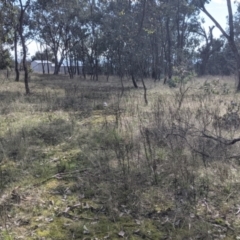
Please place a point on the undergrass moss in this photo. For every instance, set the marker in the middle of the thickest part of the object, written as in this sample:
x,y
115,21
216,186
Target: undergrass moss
x,y
54,230
52,183
6,236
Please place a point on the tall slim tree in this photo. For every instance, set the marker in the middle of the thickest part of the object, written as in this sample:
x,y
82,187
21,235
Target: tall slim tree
x,y
9,28
22,14
230,36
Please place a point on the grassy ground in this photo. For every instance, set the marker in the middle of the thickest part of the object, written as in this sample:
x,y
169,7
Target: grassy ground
x,y
81,159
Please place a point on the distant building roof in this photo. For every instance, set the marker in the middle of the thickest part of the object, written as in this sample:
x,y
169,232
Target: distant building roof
x,y
64,63
40,61
67,63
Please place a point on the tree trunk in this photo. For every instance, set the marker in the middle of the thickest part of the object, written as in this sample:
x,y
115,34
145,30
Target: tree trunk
x,y
134,81
83,69
47,60
55,64
43,64
169,50
24,48
16,56
96,68
77,65
69,68
58,65
203,65
25,68
238,75
237,57
145,91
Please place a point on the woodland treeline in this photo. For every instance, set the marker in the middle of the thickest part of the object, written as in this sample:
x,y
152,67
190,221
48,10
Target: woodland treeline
x,y
141,38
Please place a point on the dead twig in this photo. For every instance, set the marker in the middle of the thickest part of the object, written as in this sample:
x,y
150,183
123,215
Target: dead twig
x,y
221,140
59,176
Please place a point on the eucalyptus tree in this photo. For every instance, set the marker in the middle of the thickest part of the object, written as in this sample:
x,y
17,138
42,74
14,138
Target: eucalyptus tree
x,y
221,62
229,35
236,21
187,23
157,33
93,41
5,58
211,46
13,13
17,11
9,29
179,25
118,32
22,34
126,38
55,23
5,23
154,28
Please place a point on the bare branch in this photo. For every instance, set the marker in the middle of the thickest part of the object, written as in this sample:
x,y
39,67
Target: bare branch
x,y
221,140
215,21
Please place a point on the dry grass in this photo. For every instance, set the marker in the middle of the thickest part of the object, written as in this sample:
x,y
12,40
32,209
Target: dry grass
x,y
73,168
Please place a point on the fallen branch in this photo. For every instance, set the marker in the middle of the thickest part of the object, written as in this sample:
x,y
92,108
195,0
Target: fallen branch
x,y
221,140
59,176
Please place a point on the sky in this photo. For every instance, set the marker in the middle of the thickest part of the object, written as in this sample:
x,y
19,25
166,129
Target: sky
x,y
218,8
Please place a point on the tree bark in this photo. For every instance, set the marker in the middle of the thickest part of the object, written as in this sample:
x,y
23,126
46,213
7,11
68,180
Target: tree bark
x,y
169,50
24,48
145,91
47,60
134,81
58,65
16,55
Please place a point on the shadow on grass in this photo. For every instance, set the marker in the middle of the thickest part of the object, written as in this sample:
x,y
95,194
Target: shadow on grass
x,y
26,149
